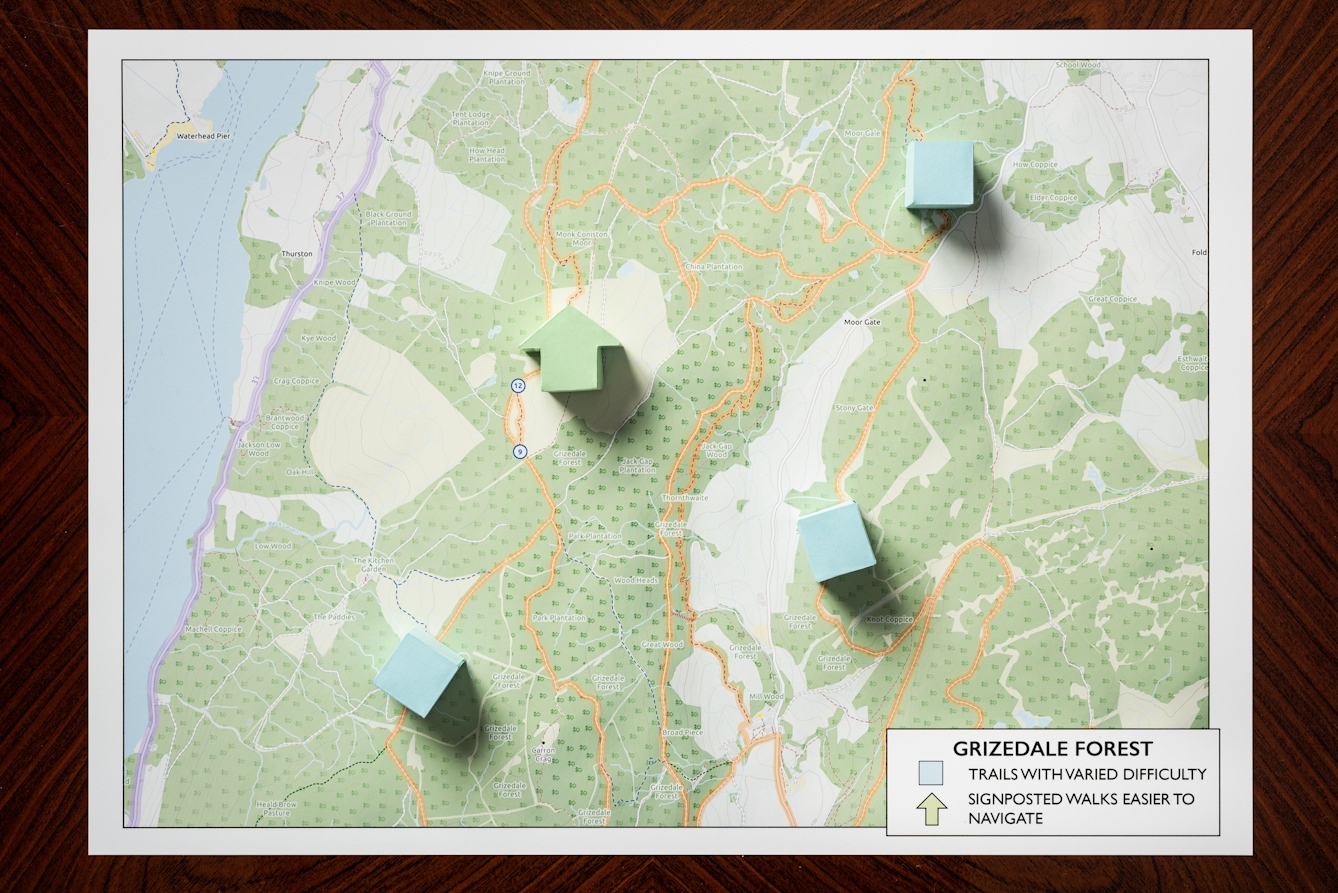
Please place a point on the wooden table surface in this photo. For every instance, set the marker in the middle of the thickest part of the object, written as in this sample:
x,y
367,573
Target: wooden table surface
x,y
44,454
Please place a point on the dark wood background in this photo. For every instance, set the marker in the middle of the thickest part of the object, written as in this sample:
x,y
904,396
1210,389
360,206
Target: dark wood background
x,y
44,453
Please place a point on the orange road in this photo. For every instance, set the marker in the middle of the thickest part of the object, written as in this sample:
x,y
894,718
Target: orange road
x,y
927,612
691,280
417,794
980,648
733,767
729,776
741,398
845,636
664,742
780,784
546,241
513,422
551,172
839,481
732,401
513,425
560,686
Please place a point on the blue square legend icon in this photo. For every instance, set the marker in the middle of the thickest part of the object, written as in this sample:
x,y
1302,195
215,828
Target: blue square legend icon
x,y
418,671
931,772
940,175
835,541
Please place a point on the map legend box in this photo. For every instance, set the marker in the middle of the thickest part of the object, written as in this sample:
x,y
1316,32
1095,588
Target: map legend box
x,y
1053,782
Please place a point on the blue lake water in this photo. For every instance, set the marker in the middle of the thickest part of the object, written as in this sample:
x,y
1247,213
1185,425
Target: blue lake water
x,y
1093,474
1031,722
814,132
185,275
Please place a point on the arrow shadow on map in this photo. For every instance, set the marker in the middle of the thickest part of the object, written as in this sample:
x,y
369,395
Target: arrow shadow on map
x,y
625,387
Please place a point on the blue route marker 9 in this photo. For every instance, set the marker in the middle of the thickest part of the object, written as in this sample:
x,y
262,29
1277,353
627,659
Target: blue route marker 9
x,y
520,451
518,385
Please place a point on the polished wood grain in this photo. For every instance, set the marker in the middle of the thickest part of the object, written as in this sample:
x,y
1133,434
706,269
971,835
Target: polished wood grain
x,y
44,443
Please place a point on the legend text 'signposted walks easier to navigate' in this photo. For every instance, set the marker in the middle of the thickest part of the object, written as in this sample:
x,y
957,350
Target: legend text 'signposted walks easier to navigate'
x,y
1052,782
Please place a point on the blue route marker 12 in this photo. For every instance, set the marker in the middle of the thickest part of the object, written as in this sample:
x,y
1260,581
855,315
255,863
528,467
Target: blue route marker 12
x,y
517,385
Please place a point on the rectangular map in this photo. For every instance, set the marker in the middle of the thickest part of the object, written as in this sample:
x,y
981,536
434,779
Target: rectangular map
x,y
333,435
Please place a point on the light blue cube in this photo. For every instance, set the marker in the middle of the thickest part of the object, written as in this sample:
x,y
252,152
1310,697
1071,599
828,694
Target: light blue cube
x,y
940,175
835,541
931,772
418,671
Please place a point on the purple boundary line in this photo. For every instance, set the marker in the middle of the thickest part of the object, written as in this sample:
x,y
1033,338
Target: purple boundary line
x,y
252,415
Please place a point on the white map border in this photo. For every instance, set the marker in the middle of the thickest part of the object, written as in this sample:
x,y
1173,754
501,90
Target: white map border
x,y
1231,85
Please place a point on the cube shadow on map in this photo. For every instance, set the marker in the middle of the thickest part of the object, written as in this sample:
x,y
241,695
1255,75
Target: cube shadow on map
x,y
973,241
989,222
458,712
857,590
851,595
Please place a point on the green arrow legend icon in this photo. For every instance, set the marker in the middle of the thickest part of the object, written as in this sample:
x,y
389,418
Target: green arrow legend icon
x,y
931,806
